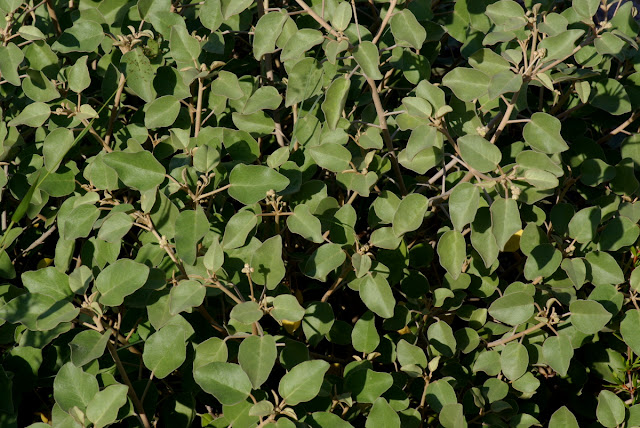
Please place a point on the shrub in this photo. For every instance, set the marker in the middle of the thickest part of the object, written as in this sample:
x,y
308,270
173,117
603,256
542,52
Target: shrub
x,y
325,213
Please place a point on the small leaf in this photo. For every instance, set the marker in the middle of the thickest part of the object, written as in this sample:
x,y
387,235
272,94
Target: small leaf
x,y
302,383
257,356
563,418
505,220
452,251
513,308
250,183
165,351
376,294
139,170
410,213
382,415
87,346
479,153
119,280
323,261
33,115
588,316
73,387
267,263
162,112
542,133
466,83
186,295
335,100
305,224
227,382
557,353
463,205
406,28
365,337
367,56
103,408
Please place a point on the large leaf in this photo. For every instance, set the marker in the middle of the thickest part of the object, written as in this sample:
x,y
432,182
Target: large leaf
x,y
139,170
250,183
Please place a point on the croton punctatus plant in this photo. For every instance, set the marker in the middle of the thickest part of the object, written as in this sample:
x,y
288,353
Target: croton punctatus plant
x,y
319,213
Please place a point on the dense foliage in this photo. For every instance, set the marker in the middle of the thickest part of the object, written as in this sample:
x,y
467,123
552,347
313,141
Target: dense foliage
x,y
323,213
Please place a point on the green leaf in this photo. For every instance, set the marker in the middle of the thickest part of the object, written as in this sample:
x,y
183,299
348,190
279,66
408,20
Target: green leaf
x,y
317,321
463,205
588,316
246,312
333,157
452,416
139,73
302,383
557,353
382,415
410,355
257,356
305,224
514,360
335,100
234,7
103,408
264,98
513,308
139,170
186,295
629,329
48,281
302,41
406,28
184,47
250,183
610,410
267,263
504,82
33,115
79,78
479,153
286,307
507,15
323,261
543,261
266,33
583,224
560,46
211,14
367,56
87,346
604,269
409,213
305,81
466,83
10,58
227,85
227,382
376,294
364,336
165,351
452,251
542,133
162,112
73,387
586,8
563,418
119,280
342,15
83,36
191,226
115,227
441,338
238,228
505,220
611,97
439,394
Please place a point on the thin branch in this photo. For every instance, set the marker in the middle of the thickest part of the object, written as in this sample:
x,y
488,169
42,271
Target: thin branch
x,y
385,133
517,335
386,19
